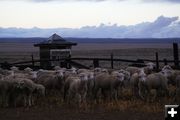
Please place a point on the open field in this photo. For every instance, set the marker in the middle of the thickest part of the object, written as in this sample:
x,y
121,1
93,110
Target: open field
x,y
126,108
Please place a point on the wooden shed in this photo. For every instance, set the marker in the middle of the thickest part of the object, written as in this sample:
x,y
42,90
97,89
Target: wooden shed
x,y
55,47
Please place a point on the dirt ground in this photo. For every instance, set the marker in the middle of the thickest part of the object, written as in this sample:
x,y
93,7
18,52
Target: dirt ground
x,y
64,113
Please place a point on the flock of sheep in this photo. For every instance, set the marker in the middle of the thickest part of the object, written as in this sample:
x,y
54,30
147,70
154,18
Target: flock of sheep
x,y
80,85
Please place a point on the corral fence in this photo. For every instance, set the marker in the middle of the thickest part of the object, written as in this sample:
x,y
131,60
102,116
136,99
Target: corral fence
x,y
71,61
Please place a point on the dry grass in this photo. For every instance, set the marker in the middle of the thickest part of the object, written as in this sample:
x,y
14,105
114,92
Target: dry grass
x,y
125,103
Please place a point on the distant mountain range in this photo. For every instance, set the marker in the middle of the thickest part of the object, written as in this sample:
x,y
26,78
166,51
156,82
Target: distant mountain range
x,y
97,40
162,27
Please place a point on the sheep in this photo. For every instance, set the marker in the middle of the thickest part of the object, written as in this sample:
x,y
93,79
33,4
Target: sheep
x,y
170,74
78,87
30,75
110,82
155,81
28,70
39,91
14,68
147,69
67,83
57,68
166,67
177,94
53,81
25,88
132,70
9,89
134,80
82,71
97,70
90,84
127,77
5,87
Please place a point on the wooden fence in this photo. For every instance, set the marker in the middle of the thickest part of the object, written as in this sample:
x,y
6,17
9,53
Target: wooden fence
x,y
71,61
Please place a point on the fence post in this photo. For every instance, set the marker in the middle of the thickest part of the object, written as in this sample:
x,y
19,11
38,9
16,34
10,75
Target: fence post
x,y
176,55
96,63
32,58
112,65
68,62
165,61
157,62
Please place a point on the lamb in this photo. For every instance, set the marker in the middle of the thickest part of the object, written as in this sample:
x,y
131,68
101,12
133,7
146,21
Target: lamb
x,y
110,82
155,81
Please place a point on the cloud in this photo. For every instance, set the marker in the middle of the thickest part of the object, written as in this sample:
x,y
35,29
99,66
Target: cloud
x,y
145,1
162,27
170,1
74,0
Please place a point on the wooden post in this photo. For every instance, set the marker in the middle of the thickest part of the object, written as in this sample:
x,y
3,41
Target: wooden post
x,y
112,65
176,55
157,62
68,62
32,58
96,63
165,61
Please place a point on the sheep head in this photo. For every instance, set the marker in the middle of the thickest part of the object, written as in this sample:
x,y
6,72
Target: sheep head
x,y
91,75
83,76
28,69
120,77
150,65
167,73
167,67
142,75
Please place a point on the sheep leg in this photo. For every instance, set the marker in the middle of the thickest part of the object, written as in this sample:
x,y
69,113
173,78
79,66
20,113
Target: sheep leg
x,y
95,93
25,100
116,95
140,94
65,93
29,100
84,97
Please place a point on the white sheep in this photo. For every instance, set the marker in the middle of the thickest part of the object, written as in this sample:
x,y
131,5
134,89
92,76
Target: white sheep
x,y
78,88
28,70
52,80
148,69
155,81
108,82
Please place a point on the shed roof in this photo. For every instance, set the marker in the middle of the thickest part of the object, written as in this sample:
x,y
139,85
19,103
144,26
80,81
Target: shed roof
x,y
55,40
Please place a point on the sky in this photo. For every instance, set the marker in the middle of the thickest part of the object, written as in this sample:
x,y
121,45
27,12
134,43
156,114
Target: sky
x,y
79,13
